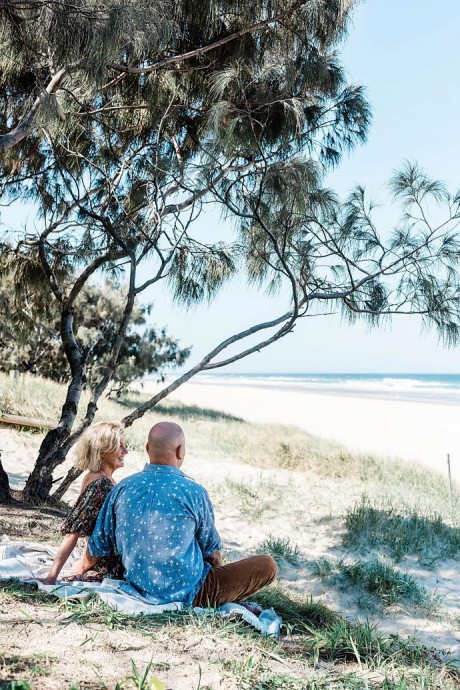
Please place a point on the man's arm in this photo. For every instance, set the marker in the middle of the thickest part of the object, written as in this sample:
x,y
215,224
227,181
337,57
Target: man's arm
x,y
206,535
215,559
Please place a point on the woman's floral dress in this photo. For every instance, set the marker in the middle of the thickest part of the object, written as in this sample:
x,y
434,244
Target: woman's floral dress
x,y
82,520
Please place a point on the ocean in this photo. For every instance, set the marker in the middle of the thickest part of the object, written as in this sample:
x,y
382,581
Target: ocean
x,y
434,388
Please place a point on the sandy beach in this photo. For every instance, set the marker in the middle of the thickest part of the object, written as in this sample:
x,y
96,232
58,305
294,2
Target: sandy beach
x,y
425,432
247,497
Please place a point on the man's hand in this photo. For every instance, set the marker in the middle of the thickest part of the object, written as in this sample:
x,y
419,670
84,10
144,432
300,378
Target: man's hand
x,y
215,559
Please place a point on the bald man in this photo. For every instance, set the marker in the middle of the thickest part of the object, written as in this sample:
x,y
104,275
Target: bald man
x,y
161,522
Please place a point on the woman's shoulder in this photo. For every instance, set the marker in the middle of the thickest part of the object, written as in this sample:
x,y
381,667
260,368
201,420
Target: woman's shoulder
x,y
95,480
83,516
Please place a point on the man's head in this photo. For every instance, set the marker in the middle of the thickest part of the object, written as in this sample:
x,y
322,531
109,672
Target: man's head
x,y
166,444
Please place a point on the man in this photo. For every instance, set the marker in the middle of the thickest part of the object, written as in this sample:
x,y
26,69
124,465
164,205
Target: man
x,y
161,522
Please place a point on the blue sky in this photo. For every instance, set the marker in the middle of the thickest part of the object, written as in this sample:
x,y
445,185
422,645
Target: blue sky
x,y
406,54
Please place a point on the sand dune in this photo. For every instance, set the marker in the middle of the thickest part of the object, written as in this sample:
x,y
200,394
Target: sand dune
x,y
421,431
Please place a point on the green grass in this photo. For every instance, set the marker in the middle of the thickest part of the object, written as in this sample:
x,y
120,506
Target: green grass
x,y
296,611
382,580
281,550
313,636
379,579
141,679
23,592
400,531
323,634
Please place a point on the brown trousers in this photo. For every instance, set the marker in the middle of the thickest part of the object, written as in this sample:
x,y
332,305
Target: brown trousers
x,y
236,581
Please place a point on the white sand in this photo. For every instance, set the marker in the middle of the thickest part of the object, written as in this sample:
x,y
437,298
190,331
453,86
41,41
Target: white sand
x,y
425,432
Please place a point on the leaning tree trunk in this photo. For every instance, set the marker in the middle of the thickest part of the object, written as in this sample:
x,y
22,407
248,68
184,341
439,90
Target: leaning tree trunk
x,y
54,447
40,480
5,495
71,476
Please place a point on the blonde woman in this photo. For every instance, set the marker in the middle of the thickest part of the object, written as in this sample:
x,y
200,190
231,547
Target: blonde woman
x,y
101,451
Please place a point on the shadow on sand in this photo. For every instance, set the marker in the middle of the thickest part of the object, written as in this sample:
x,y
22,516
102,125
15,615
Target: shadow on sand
x,y
181,411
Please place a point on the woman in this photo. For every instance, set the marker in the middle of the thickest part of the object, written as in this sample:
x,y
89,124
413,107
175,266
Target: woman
x,y
101,451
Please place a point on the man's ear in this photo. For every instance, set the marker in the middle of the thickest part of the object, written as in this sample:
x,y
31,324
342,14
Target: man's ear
x,y
179,452
147,447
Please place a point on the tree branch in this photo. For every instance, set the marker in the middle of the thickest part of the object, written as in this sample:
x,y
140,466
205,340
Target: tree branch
x,y
205,49
23,128
287,317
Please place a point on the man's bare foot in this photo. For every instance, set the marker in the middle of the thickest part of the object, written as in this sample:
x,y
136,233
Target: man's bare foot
x,y
253,608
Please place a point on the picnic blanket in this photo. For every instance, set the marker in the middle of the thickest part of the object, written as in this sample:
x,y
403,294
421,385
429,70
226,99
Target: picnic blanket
x,y
29,560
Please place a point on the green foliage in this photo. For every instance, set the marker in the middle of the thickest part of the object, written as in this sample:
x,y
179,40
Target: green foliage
x,y
119,164
144,680
328,636
30,336
127,166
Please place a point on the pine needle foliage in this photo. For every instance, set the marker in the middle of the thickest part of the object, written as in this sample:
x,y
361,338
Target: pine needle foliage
x,y
121,122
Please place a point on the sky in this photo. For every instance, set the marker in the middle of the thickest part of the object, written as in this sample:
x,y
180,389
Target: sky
x,y
406,54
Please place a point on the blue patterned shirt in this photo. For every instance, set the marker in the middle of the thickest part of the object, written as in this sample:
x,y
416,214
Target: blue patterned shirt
x,y
161,522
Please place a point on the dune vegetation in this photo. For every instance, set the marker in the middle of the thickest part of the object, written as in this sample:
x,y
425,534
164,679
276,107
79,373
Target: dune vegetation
x,y
361,543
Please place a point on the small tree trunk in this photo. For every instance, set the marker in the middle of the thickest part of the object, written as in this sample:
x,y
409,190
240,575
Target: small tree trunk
x,y
71,476
5,496
40,480
53,448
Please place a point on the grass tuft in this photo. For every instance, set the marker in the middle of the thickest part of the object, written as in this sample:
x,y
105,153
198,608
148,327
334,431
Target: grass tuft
x,y
281,550
378,578
296,611
254,499
400,531
24,591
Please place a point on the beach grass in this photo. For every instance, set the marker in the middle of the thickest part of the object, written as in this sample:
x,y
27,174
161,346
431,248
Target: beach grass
x,y
379,578
400,530
213,434
315,634
281,549
319,648
255,498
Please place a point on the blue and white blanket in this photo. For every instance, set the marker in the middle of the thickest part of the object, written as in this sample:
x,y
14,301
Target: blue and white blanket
x,y
29,560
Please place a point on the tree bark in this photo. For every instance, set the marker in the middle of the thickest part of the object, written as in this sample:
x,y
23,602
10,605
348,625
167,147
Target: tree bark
x,y
5,496
40,480
70,477
53,450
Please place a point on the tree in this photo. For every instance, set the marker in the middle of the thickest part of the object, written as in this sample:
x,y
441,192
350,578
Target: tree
x,y
30,341
64,63
245,107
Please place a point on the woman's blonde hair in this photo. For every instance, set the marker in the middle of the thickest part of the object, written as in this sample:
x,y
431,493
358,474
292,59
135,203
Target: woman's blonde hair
x,y
98,439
